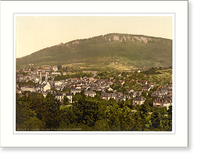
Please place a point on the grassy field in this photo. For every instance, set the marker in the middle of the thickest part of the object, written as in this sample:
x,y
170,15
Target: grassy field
x,y
62,107
163,78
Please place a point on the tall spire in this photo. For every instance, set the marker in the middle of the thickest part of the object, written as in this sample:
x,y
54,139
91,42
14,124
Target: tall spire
x,y
40,78
46,78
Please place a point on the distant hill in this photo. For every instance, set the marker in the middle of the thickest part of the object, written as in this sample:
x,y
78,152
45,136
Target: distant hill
x,y
111,51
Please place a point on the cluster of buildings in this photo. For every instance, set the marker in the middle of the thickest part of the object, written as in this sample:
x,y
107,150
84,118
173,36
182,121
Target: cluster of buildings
x,y
162,96
44,83
163,92
35,74
118,96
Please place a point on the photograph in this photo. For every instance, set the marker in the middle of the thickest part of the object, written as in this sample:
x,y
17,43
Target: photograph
x,y
94,72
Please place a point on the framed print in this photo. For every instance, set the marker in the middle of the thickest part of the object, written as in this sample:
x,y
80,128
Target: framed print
x,y
94,74
79,85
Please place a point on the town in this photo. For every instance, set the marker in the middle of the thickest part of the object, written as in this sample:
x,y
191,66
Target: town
x,y
106,81
45,80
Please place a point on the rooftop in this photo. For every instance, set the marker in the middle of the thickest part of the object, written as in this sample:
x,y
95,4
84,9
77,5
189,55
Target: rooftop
x,y
140,98
162,100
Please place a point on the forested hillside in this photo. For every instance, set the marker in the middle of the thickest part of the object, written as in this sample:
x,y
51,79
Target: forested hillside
x,y
111,51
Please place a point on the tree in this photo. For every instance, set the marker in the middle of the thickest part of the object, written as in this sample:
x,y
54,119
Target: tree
x,y
126,117
26,118
144,94
77,97
59,67
34,124
43,78
53,88
68,118
51,112
36,102
102,125
23,113
65,101
158,118
137,122
66,89
169,111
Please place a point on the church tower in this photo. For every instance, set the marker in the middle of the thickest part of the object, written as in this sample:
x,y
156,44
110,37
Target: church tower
x,y
46,78
40,81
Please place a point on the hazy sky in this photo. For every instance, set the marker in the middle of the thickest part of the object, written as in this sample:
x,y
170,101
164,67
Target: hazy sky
x,y
34,33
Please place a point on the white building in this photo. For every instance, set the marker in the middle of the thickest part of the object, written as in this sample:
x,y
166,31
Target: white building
x,y
162,102
54,68
46,87
28,88
58,83
36,80
139,100
90,93
60,96
56,73
74,91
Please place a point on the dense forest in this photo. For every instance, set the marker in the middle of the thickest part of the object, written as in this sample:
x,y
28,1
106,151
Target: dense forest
x,y
34,112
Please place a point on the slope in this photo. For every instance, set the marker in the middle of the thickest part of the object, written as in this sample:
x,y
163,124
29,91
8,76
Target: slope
x,y
105,51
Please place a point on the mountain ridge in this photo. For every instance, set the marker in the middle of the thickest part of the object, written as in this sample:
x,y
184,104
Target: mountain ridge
x,y
130,50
